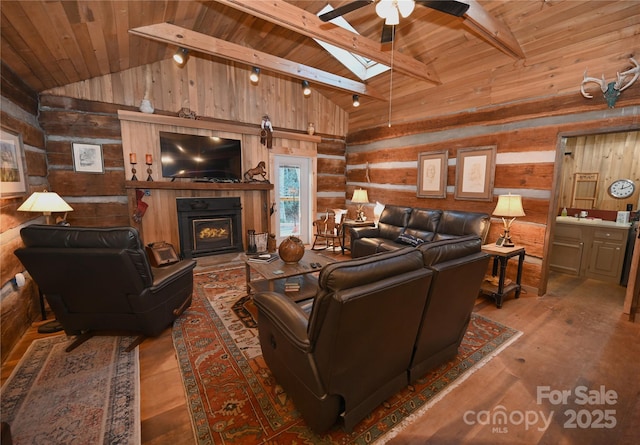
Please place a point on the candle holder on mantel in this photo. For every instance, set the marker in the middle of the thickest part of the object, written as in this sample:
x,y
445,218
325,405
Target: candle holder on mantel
x,y
148,159
133,161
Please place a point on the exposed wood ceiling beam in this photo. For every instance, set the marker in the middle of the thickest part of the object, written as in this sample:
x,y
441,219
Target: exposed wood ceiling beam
x,y
195,41
306,23
494,32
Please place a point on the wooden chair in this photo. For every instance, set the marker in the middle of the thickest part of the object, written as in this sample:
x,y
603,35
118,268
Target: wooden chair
x,y
327,233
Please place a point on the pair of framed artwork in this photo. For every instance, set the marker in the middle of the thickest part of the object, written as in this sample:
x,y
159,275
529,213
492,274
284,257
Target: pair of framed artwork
x,y
475,171
87,158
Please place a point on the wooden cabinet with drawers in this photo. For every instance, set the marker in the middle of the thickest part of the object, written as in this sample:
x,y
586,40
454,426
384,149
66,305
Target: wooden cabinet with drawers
x,y
594,250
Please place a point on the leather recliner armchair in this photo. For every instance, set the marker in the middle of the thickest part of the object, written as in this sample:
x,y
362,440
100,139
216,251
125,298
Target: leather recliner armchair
x,y
353,350
100,279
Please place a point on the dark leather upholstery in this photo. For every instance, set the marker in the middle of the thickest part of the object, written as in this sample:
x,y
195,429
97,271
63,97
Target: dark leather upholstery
x,y
353,351
426,224
459,266
458,223
100,279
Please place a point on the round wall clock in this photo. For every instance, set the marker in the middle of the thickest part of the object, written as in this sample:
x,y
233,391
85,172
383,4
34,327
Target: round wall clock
x,y
622,188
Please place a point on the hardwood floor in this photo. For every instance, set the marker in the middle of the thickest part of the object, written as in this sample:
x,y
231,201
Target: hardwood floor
x,y
574,337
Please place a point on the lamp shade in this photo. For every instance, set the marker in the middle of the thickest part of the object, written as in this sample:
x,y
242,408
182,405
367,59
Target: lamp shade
x,y
509,205
45,202
360,197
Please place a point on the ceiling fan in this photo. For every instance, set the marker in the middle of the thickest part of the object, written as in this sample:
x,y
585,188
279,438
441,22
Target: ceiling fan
x,y
391,10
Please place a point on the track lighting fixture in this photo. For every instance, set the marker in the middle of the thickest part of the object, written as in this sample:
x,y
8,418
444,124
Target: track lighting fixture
x,y
306,89
180,57
255,74
356,100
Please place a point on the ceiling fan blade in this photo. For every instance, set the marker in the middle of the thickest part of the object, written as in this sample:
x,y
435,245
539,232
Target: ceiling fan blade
x,y
341,10
388,33
452,7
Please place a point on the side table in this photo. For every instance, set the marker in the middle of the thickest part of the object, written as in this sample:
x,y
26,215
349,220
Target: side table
x,y
501,256
344,225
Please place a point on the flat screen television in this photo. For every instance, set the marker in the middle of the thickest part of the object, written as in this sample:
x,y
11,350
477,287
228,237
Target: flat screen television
x,y
200,157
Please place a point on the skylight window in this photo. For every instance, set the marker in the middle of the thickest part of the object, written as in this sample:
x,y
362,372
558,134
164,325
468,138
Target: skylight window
x,y
358,65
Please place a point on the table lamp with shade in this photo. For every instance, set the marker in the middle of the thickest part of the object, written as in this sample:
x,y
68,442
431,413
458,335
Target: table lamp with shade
x,y
47,203
509,206
360,198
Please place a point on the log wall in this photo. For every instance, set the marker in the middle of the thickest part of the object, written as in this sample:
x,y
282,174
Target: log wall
x,y
528,162
19,307
98,199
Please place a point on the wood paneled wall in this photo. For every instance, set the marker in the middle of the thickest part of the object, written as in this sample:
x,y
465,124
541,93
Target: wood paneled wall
x,y
19,307
215,90
611,155
141,135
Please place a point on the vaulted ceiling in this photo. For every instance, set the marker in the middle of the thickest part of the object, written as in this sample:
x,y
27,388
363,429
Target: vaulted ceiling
x,y
54,43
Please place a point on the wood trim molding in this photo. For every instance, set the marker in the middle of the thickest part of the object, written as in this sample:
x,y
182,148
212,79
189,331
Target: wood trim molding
x,y
219,186
160,119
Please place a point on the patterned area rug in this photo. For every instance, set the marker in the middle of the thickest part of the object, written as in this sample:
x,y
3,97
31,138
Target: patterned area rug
x,y
233,398
90,395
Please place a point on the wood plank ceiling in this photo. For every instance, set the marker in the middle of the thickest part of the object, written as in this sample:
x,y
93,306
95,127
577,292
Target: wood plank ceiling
x,y
54,43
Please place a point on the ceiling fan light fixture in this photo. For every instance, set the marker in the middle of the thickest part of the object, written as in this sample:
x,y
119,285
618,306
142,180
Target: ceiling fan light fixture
x,y
405,7
391,10
306,89
393,18
383,8
255,75
180,57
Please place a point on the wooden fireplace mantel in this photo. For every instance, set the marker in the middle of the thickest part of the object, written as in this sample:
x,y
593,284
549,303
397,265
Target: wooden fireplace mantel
x,y
223,186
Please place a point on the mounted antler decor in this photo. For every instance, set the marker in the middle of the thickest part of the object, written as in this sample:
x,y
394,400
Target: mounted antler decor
x,y
612,90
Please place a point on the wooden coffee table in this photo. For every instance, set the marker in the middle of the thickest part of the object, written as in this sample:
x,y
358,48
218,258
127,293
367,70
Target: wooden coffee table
x,y
274,275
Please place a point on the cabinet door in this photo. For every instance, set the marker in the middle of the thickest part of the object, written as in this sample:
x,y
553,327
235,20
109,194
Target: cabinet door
x,y
607,254
606,261
566,256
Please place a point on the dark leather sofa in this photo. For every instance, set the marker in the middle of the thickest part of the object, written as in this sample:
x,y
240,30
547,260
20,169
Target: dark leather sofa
x,y
401,226
100,279
376,324
458,266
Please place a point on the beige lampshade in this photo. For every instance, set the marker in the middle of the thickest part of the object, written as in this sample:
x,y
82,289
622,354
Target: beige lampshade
x,y
360,197
45,202
509,205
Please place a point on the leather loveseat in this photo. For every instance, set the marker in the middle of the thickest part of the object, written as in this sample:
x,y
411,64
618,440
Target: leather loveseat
x,y
376,324
400,227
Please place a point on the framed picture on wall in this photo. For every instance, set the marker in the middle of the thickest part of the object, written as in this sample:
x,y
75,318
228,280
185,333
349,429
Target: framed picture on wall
x,y
13,175
475,171
432,174
87,158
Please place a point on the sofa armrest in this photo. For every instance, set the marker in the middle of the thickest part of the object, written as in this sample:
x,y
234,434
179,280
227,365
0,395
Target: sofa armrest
x,y
286,316
364,232
163,276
